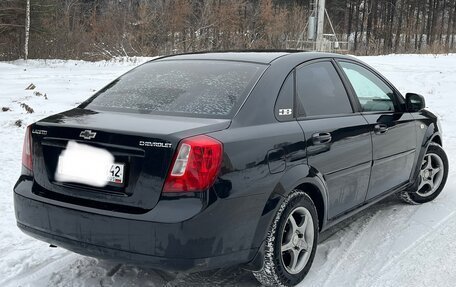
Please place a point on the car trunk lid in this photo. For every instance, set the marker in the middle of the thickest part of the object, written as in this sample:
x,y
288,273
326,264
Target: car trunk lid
x,y
143,144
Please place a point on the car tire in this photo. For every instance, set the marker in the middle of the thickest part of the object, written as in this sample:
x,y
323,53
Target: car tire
x,y
431,181
294,230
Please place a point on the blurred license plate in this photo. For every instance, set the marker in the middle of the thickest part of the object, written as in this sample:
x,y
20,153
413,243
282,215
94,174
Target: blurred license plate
x,y
116,173
90,165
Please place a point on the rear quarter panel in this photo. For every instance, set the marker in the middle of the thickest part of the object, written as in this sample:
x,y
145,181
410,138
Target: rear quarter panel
x,y
246,169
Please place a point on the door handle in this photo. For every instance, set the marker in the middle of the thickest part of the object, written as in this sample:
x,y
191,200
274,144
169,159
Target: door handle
x,y
321,138
380,128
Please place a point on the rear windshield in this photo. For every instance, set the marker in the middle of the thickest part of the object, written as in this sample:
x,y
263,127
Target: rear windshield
x,y
200,88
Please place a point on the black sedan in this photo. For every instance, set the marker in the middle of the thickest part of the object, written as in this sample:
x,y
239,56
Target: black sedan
x,y
202,161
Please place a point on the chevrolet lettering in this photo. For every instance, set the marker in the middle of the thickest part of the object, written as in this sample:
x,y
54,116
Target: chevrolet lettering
x,y
155,144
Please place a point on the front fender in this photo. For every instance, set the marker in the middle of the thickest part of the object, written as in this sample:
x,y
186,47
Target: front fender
x,y
430,136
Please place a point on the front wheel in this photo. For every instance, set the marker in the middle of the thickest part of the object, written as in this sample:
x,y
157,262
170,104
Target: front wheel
x,y
291,242
432,177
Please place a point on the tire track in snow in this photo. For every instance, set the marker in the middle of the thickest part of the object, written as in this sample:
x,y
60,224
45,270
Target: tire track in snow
x,y
361,230
415,243
429,264
234,276
390,243
335,265
47,267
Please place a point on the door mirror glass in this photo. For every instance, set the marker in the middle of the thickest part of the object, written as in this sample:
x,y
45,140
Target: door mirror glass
x,y
414,102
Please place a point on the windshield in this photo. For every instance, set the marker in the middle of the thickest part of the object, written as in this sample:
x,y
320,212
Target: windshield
x,y
200,88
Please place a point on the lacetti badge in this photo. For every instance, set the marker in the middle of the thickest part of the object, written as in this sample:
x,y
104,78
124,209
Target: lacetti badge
x,y
39,132
155,144
87,134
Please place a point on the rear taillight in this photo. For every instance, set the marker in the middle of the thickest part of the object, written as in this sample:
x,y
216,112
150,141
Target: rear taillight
x,y
195,166
27,150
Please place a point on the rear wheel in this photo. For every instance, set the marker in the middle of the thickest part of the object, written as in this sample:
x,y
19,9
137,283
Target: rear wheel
x,y
432,177
291,242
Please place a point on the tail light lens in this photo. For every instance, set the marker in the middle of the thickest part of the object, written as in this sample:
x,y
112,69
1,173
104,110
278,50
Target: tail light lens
x,y
195,166
27,150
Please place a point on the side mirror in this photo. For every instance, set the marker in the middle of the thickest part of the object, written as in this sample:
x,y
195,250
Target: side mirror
x,y
414,102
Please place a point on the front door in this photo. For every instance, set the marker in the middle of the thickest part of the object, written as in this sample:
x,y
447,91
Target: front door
x,y
393,129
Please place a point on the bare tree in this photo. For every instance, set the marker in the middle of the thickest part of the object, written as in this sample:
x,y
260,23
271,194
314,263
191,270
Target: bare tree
x,y
27,30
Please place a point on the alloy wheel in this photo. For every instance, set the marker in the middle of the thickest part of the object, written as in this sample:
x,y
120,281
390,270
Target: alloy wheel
x,y
431,174
297,240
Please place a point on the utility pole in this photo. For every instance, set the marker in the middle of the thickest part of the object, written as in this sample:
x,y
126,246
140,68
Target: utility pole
x,y
27,30
320,24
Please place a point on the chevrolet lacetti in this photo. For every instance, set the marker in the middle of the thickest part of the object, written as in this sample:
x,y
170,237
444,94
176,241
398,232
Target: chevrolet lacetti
x,y
201,161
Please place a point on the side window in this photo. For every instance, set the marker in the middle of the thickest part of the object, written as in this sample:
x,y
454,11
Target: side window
x,y
284,106
320,91
373,94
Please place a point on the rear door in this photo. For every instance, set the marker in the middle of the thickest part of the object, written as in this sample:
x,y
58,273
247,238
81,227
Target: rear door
x,y
393,129
338,140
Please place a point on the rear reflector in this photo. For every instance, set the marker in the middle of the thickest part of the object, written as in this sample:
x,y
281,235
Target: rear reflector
x,y
195,166
27,150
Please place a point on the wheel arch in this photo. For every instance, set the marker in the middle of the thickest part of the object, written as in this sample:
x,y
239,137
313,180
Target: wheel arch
x,y
315,194
304,178
432,136
310,181
301,177
437,139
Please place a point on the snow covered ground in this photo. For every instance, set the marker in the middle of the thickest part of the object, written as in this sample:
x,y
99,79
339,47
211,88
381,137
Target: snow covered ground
x,y
391,244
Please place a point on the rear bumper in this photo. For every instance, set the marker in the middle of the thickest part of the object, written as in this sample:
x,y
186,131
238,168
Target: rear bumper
x,y
115,255
215,237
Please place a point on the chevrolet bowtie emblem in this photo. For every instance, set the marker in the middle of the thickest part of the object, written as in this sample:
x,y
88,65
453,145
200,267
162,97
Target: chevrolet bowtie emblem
x,y
87,134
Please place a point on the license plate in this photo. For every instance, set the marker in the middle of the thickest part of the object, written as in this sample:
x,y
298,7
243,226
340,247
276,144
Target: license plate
x,y
80,163
116,173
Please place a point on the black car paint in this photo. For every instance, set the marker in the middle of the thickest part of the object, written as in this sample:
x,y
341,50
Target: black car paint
x,y
265,158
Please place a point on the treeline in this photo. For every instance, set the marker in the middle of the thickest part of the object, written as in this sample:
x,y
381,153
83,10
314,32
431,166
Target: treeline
x,y
399,26
98,29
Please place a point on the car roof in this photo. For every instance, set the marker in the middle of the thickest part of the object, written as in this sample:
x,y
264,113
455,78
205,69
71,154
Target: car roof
x,y
257,56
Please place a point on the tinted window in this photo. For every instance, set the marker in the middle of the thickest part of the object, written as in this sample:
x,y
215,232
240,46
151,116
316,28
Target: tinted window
x,y
284,104
320,91
372,92
186,87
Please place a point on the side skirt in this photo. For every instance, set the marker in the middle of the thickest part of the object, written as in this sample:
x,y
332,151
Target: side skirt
x,y
333,221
